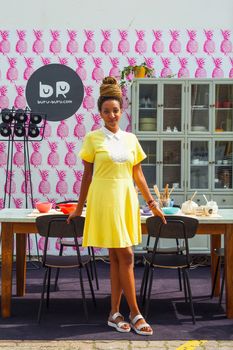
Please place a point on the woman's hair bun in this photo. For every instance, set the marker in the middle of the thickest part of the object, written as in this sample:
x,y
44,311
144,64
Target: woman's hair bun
x,y
109,80
110,87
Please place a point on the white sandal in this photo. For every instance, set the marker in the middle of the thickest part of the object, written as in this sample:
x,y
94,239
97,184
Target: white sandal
x,y
139,327
118,325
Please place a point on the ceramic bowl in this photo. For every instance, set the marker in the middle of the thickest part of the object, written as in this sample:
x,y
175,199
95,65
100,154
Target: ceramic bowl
x,y
170,210
67,208
43,207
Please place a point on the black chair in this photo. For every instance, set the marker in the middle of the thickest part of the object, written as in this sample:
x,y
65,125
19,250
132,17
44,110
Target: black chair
x,y
177,249
68,243
54,226
220,254
177,227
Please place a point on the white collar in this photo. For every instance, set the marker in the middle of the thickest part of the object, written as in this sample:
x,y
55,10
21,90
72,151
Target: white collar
x,y
112,135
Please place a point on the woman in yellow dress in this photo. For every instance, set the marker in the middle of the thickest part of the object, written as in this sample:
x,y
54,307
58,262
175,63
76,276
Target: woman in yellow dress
x,y
112,163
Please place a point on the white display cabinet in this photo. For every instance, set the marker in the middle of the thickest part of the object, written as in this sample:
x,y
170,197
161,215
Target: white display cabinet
x,y
185,126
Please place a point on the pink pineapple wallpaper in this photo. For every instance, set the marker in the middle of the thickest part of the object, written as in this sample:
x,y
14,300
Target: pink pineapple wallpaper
x,y
92,53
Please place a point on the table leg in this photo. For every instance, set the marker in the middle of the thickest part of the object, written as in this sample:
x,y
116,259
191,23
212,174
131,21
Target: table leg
x,y
7,262
215,243
20,263
228,252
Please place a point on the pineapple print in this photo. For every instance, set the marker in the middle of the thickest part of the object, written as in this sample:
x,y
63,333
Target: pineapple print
x,y
88,101
5,46
79,130
18,158
29,69
77,184
231,70
26,186
72,45
38,45
106,45
89,45
97,73
81,71
166,71
209,44
175,45
200,71
53,157
12,72
18,202
158,45
129,126
44,185
20,100
55,45
21,45
47,130
4,100
123,45
97,122
3,154
114,71
10,186
217,71
63,130
226,44
61,186
70,157
192,44
36,157
140,46
183,71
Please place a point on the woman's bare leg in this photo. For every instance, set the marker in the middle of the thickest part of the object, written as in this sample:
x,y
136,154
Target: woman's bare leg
x,y
127,281
116,289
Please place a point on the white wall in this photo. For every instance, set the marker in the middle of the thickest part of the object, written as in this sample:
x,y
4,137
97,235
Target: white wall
x,y
120,13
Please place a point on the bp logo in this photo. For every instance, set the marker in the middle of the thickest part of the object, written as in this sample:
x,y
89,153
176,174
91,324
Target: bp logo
x,y
55,90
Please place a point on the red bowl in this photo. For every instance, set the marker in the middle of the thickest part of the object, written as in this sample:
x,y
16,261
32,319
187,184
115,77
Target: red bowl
x,y
67,208
227,104
218,104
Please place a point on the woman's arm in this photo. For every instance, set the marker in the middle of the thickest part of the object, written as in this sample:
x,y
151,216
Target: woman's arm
x,y
141,183
86,181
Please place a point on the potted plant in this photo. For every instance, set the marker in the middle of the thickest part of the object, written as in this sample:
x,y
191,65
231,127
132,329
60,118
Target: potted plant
x,y
136,71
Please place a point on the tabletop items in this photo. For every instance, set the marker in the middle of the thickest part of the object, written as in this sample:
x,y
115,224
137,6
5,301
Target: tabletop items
x,y
164,198
189,207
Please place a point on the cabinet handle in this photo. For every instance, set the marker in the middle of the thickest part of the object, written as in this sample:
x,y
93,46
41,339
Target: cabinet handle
x,y
211,106
224,200
198,200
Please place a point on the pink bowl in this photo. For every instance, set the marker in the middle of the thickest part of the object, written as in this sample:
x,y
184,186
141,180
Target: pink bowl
x,y
43,207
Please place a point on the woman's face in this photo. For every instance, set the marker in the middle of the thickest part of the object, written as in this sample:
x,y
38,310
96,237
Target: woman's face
x,y
111,114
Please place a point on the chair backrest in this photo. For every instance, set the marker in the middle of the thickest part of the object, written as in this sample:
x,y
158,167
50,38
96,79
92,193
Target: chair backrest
x,y
56,226
180,227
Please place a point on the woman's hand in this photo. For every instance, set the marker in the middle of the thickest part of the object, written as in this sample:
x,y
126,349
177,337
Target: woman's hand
x,y
158,212
74,214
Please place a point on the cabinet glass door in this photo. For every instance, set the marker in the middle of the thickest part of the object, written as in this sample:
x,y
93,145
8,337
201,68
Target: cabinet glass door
x,y
149,164
172,107
223,108
148,100
171,169
199,164
223,165
200,107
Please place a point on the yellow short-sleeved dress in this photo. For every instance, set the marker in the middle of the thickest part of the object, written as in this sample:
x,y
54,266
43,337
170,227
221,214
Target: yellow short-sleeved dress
x,y
113,214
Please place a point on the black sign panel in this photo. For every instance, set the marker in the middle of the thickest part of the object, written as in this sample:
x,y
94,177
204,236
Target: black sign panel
x,y
55,90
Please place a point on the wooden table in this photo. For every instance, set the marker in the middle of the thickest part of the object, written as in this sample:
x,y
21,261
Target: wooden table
x,y
17,221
